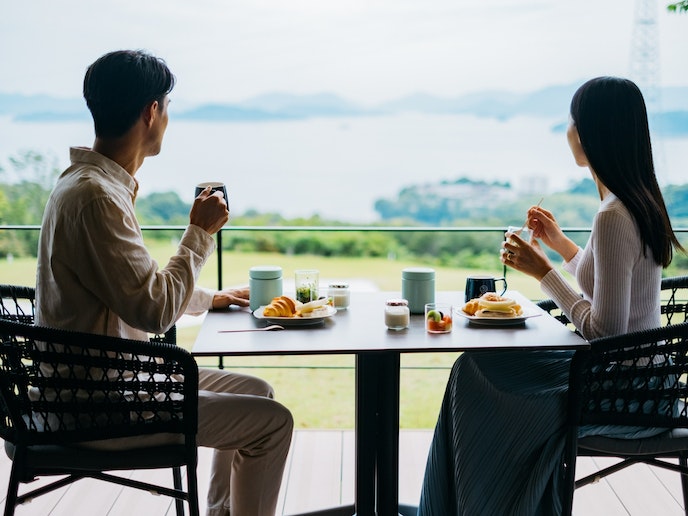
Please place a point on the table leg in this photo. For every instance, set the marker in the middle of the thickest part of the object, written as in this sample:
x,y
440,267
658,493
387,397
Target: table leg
x,y
377,434
388,436
366,433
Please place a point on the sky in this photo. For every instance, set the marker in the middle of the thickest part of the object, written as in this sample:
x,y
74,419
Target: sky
x,y
368,51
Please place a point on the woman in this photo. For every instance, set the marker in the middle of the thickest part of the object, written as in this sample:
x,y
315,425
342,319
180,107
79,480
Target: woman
x,y
499,438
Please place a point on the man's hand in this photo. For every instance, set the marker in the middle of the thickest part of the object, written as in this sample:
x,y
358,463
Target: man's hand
x,y
209,211
236,296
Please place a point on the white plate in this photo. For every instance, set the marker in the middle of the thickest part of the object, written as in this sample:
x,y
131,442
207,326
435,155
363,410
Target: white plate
x,y
295,321
496,321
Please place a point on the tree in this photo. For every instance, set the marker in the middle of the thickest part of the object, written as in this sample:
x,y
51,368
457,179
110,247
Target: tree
x,y
23,198
678,6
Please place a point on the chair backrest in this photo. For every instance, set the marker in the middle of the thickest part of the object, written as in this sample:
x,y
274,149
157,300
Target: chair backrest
x,y
18,303
59,386
633,379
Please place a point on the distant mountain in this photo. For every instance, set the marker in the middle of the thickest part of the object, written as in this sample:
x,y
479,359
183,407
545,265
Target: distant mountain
x,y
229,113
40,107
551,102
670,124
303,106
277,106
489,104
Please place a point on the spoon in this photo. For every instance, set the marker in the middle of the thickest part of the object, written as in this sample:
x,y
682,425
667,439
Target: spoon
x,y
272,327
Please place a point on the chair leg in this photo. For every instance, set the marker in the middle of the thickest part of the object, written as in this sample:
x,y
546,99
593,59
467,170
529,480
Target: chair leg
x,y
683,461
178,502
192,489
12,490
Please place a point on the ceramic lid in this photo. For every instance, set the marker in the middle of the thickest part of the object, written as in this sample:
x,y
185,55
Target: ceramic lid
x,y
418,273
265,272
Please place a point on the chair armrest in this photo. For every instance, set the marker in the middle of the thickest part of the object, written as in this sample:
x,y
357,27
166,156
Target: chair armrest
x,y
675,299
552,309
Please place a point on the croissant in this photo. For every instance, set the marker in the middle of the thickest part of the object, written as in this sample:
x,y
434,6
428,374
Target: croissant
x,y
282,306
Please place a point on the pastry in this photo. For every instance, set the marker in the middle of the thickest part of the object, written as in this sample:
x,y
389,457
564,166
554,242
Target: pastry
x,y
491,304
282,306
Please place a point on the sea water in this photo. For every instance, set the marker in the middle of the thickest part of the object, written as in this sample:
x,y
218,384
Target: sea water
x,y
339,167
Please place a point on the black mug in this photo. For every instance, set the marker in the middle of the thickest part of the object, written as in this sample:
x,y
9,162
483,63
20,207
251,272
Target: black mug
x,y
477,285
214,185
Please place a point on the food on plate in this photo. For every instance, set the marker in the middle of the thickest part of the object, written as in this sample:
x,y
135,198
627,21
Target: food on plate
x,y
492,304
471,306
284,306
438,322
281,306
312,308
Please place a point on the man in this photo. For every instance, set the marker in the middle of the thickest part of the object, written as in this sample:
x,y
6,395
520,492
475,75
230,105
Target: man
x,y
95,275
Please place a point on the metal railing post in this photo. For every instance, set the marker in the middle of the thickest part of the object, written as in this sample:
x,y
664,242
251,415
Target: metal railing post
x,y
219,259
220,363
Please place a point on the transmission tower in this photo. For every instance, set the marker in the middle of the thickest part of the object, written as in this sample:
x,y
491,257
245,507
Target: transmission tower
x,y
644,65
644,70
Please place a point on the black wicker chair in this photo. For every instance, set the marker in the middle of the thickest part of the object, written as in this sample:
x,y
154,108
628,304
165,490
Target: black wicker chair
x,y
636,379
61,391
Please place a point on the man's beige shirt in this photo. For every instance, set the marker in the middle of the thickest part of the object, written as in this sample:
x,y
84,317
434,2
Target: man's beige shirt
x,y
94,271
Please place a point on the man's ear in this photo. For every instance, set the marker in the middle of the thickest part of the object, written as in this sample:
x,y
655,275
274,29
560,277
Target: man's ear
x,y
150,112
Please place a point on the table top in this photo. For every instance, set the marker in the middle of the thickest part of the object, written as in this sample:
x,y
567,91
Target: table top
x,y
361,328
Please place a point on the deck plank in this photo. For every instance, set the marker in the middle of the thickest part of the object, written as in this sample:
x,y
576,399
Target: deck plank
x,y
672,482
596,499
640,490
131,501
314,480
413,454
320,474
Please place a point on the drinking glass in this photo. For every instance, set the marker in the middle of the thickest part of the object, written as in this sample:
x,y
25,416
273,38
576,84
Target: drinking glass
x,y
523,232
438,317
306,283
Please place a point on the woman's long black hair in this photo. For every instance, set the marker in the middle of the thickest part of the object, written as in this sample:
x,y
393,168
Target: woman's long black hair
x,y
611,119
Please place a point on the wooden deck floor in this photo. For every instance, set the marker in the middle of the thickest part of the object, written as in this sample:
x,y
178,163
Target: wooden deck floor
x,y
320,474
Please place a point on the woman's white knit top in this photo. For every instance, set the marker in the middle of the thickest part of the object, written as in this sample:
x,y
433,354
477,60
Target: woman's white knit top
x,y
620,281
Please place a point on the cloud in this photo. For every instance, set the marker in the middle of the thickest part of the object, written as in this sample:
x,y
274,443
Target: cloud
x,y
369,51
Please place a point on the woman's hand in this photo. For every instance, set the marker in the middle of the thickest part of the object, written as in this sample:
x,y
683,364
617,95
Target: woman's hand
x,y
545,227
235,296
524,257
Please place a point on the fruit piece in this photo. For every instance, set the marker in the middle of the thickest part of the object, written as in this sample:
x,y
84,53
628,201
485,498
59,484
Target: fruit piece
x,y
434,315
435,325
